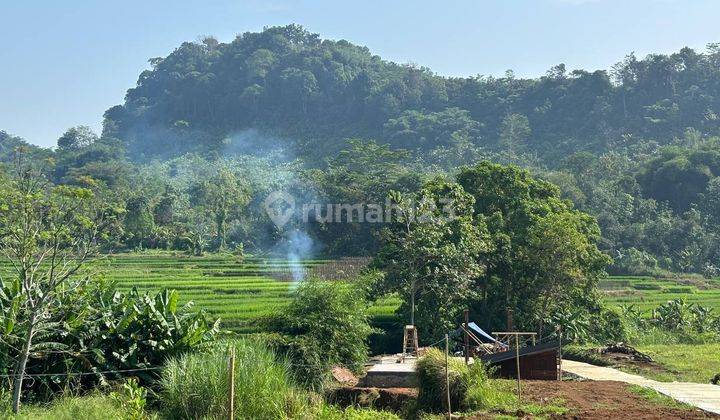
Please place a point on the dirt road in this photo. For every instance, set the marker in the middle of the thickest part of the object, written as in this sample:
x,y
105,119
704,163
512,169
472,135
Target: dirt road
x,y
704,396
603,400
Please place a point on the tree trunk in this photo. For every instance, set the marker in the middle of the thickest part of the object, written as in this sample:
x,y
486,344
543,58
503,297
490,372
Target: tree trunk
x,y
20,366
412,308
221,231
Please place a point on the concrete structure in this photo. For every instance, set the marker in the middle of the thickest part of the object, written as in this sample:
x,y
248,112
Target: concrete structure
x,y
704,396
388,373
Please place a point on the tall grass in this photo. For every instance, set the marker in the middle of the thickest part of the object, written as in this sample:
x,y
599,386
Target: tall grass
x,y
432,384
197,385
92,407
470,387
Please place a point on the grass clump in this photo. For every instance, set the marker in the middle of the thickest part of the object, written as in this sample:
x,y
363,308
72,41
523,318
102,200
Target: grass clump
x,y
471,390
329,412
91,407
432,384
470,386
197,386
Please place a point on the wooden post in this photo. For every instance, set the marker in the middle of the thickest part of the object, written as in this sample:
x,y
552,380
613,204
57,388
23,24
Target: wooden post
x,y
231,396
447,374
561,355
517,361
466,312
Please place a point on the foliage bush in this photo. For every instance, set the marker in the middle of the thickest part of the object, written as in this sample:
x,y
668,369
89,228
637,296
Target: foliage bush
x,y
673,322
582,354
326,324
99,329
196,385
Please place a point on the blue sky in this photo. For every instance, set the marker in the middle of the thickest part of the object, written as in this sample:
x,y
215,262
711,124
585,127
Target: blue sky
x,y
63,63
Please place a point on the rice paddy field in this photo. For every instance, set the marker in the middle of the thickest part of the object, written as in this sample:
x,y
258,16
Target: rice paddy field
x,y
647,293
240,290
236,290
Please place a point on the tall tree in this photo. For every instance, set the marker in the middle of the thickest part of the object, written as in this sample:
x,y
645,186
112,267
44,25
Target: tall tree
x,y
47,234
546,256
223,196
76,138
431,256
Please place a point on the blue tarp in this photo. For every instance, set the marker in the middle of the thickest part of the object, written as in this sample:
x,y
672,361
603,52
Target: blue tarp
x,y
473,326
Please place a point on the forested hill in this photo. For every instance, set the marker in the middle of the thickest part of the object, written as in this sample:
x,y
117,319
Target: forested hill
x,y
292,83
636,146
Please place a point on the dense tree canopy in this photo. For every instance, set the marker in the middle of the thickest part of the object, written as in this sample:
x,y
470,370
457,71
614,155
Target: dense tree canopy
x,y
290,81
329,122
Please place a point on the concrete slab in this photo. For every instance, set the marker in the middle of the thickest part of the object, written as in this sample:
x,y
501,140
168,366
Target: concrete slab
x,y
388,373
704,396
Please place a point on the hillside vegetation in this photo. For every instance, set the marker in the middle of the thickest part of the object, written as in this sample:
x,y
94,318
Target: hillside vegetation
x,y
283,109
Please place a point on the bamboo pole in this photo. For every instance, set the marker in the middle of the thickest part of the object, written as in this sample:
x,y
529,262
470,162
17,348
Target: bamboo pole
x,y
447,375
517,363
561,354
231,396
467,336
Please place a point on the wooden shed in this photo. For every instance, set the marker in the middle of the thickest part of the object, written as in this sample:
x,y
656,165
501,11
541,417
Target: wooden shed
x,y
536,362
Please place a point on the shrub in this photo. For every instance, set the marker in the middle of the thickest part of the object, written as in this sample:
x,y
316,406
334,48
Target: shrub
x,y
609,325
586,355
636,262
196,385
132,398
325,324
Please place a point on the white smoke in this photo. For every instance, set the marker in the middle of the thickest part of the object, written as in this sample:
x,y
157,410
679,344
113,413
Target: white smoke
x,y
300,248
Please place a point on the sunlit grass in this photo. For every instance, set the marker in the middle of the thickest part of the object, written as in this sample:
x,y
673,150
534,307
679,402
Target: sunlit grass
x,y
686,362
657,398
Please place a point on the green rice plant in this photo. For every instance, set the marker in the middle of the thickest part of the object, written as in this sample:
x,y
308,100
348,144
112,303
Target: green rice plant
x,y
680,289
647,286
197,385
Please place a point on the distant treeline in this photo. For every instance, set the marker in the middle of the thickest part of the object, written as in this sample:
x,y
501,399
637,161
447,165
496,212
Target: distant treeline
x,y
636,146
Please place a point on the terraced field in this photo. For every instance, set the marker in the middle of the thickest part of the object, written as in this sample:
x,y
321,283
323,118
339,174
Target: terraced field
x,y
240,291
647,293
236,291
